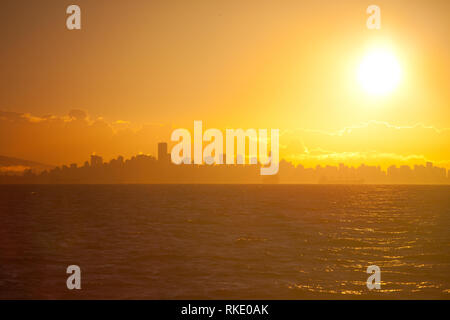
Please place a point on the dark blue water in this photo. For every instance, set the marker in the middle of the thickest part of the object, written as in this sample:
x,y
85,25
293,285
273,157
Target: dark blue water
x,y
224,241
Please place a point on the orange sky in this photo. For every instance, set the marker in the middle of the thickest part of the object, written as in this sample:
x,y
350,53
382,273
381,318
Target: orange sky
x,y
139,69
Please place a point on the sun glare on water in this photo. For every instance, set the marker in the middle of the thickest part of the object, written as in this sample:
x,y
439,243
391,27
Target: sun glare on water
x,y
379,72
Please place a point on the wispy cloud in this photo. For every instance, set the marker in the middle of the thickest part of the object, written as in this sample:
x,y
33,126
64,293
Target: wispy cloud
x,y
73,137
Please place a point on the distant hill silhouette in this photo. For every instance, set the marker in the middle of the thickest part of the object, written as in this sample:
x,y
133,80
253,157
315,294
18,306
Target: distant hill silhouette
x,y
9,163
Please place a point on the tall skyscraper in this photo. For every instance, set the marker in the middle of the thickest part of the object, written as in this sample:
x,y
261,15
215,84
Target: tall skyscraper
x,y
163,156
96,161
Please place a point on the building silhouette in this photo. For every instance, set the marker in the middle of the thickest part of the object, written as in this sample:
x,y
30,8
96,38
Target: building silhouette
x,y
148,169
163,155
96,161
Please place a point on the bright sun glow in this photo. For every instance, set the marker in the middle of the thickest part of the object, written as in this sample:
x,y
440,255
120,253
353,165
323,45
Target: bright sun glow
x,y
379,72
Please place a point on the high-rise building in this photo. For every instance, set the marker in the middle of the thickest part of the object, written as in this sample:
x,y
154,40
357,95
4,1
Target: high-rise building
x,y
163,156
96,161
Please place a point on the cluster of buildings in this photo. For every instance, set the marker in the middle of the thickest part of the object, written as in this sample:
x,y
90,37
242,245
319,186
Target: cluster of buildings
x,y
148,169
419,174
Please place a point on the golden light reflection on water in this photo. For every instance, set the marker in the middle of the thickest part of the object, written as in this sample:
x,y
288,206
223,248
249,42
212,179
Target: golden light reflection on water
x,y
252,251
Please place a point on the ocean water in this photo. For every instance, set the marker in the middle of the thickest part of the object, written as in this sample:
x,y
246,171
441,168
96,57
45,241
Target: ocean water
x,y
224,241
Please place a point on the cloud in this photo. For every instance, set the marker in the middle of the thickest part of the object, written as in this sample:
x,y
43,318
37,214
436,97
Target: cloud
x,y
78,114
74,137
371,141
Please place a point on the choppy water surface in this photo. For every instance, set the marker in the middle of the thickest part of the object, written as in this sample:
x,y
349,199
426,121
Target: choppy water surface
x,y
224,241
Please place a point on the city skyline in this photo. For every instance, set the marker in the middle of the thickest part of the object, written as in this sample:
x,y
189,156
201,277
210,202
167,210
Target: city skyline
x,y
54,140
150,169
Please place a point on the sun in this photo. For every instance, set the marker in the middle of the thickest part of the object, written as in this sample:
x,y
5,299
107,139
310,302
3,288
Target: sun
x,y
379,72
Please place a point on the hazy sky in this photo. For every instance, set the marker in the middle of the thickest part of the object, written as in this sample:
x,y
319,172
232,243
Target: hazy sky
x,y
139,68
